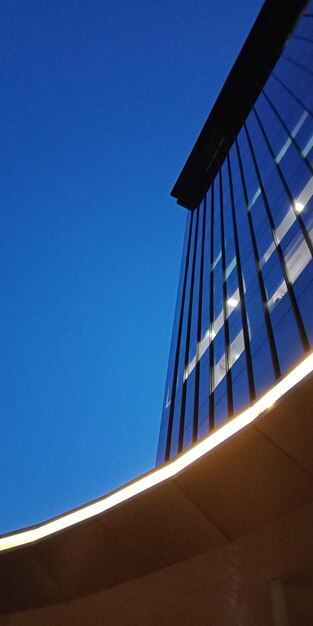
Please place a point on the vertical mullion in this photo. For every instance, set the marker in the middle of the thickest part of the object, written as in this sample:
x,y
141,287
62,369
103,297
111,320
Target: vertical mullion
x,y
224,288
211,346
200,299
184,390
244,317
303,335
267,318
178,344
282,177
292,94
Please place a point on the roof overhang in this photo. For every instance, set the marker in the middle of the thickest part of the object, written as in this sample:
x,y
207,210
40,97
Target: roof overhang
x,y
241,89
251,492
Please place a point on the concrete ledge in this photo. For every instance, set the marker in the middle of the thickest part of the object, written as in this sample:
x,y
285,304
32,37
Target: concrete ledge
x,y
243,512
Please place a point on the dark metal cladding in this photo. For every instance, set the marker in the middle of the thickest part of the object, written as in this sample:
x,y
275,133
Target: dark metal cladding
x,y
242,87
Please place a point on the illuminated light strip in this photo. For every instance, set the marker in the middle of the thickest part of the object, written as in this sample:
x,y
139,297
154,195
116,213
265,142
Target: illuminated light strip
x,y
293,135
204,343
161,474
296,263
307,148
254,199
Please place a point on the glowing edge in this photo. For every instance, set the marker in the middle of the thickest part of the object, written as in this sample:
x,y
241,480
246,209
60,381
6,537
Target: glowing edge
x,y
165,472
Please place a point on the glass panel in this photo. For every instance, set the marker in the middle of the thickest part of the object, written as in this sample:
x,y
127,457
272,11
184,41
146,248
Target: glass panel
x,y
189,410
251,327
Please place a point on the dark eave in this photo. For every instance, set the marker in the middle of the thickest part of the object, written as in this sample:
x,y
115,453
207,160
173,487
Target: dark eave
x,y
199,548
241,89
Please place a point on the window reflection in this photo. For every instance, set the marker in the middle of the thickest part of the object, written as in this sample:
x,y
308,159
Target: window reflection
x,y
297,258
241,328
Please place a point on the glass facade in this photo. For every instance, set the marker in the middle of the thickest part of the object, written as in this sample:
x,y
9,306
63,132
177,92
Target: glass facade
x,y
244,312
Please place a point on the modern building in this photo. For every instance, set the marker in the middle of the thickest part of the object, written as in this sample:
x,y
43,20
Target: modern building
x,y
244,313
221,531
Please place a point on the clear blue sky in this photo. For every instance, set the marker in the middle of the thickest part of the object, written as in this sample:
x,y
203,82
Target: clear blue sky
x,y
101,102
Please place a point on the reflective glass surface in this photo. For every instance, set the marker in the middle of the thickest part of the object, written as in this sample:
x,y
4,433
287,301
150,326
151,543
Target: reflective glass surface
x,y
244,314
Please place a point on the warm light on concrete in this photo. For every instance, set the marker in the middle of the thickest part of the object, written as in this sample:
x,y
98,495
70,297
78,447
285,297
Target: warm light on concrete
x,y
165,472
